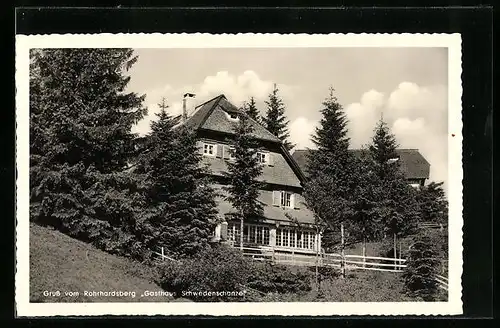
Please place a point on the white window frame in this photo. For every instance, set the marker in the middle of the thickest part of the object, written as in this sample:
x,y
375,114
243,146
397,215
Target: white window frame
x,y
231,151
214,149
263,155
229,117
286,201
253,231
280,199
289,237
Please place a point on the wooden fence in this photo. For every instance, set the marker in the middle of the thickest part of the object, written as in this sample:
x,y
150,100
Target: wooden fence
x,y
309,258
299,257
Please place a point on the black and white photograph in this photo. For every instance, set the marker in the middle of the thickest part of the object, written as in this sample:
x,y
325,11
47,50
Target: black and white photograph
x,y
173,174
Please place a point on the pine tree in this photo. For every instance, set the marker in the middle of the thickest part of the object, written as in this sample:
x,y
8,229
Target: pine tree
x,y
251,110
275,120
330,168
81,144
243,188
421,269
182,213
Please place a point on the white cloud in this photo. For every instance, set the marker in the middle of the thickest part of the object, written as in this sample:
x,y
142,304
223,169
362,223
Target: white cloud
x,y
362,117
237,88
301,130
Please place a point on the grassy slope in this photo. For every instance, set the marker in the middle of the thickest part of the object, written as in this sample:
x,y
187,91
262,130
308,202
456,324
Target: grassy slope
x,y
60,263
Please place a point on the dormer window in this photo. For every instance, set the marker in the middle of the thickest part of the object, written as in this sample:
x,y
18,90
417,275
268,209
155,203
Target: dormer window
x,y
392,160
262,157
232,116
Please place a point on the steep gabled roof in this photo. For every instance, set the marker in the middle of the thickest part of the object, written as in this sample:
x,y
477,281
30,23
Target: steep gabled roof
x,y
210,115
413,164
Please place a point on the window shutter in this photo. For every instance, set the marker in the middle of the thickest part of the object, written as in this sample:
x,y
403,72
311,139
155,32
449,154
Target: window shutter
x,y
270,159
276,198
200,144
226,152
292,201
296,201
218,151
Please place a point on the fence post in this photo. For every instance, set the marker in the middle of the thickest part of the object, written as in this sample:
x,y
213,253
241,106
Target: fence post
x,y
364,252
342,261
293,256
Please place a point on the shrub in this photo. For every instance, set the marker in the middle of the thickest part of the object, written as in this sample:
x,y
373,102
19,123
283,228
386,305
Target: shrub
x,y
269,278
215,269
421,268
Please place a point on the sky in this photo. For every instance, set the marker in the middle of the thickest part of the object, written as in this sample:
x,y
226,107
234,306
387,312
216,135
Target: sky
x,y
408,86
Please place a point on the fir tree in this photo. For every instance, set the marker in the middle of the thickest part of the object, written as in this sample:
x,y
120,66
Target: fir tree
x,y
421,269
433,203
399,206
367,219
275,120
330,171
81,144
251,110
243,171
182,212
383,151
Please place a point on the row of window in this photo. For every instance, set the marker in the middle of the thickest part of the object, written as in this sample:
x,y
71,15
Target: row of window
x,y
288,237
285,237
227,152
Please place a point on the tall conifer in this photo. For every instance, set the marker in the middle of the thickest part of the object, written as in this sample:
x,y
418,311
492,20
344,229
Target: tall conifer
x,y
251,110
243,188
275,120
330,169
181,211
81,144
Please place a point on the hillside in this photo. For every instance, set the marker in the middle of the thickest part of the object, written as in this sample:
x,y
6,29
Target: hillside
x,y
62,264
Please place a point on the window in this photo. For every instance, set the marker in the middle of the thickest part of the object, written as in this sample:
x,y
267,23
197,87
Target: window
x,y
230,153
209,149
233,116
253,234
284,199
262,158
287,237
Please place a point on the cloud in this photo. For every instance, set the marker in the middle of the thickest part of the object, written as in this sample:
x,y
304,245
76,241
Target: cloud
x,y
301,130
237,88
362,117
417,115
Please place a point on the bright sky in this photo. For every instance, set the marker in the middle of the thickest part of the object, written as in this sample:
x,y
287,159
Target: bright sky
x,y
409,85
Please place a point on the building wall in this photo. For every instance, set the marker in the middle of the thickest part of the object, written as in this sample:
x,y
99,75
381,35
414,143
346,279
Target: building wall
x,y
278,171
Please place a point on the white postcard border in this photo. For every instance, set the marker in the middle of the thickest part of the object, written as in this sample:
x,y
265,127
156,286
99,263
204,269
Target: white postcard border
x,y
155,40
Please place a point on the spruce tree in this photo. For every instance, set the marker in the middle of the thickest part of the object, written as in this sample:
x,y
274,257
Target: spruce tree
x,y
81,144
275,120
251,110
433,203
421,269
399,205
330,168
243,188
181,211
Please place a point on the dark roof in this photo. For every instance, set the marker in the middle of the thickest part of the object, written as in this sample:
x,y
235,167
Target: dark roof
x,y
210,116
413,164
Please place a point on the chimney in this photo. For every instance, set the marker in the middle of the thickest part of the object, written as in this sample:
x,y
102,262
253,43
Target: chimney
x,y
184,106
